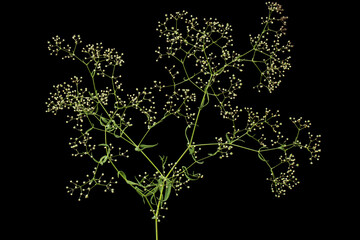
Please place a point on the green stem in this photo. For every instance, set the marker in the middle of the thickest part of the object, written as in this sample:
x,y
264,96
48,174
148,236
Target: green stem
x,y
200,108
158,209
156,230
246,148
176,163
151,162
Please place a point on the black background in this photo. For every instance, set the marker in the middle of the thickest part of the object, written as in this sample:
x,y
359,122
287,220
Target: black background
x,y
233,200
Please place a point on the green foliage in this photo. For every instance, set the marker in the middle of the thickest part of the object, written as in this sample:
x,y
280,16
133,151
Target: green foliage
x,y
205,72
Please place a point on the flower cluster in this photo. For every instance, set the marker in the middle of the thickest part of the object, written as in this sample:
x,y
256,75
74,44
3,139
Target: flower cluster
x,y
185,34
270,50
179,103
102,61
85,187
201,61
143,101
313,145
66,96
286,179
263,135
201,50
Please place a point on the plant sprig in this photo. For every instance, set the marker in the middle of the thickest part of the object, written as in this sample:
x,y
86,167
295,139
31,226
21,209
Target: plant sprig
x,y
205,72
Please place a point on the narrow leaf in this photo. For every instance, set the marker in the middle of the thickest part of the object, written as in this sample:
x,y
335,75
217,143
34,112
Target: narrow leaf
x,y
122,174
167,190
187,175
191,150
143,146
131,182
103,159
163,160
103,121
227,138
103,145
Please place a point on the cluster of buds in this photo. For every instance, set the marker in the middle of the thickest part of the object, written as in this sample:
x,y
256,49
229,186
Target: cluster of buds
x,y
85,187
270,50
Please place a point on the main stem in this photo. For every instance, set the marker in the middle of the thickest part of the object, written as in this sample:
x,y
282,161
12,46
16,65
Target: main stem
x,y
156,230
157,211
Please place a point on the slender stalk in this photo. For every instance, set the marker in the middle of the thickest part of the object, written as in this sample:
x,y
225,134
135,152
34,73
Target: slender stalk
x,y
156,230
200,108
176,163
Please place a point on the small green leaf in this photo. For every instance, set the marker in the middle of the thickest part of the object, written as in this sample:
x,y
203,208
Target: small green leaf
x,y
227,138
139,191
189,176
131,182
110,126
163,160
144,146
103,121
122,174
191,150
167,190
103,159
152,191
103,145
